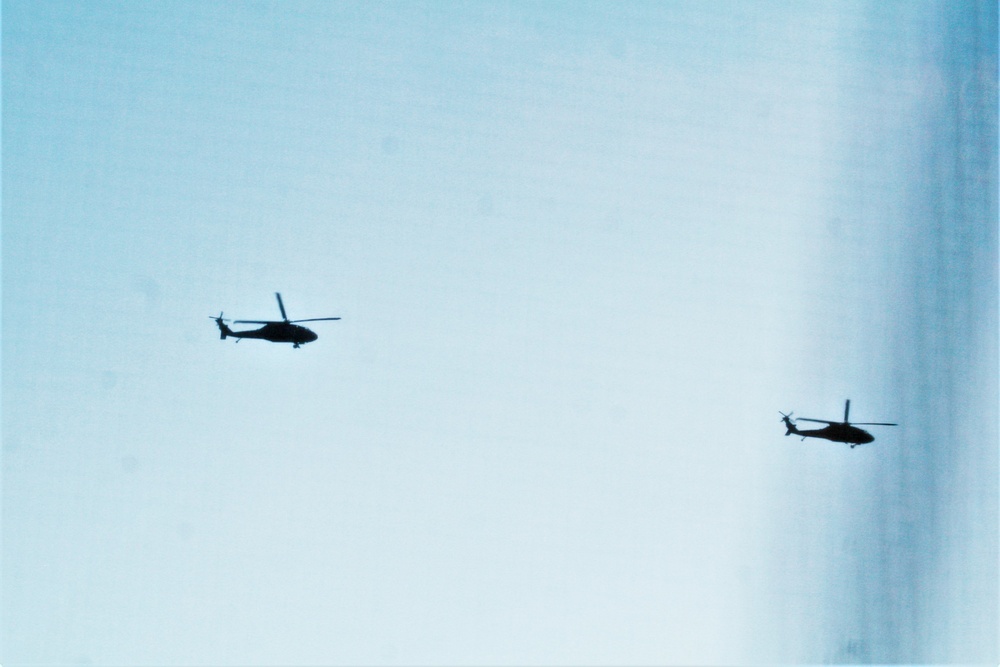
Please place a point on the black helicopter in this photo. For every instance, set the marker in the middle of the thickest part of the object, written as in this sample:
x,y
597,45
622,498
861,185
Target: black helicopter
x,y
276,331
843,431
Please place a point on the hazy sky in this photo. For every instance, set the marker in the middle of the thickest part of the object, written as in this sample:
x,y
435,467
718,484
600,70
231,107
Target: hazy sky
x,y
583,254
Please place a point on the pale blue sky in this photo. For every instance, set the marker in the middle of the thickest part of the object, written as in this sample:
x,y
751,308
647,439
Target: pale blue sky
x,y
583,254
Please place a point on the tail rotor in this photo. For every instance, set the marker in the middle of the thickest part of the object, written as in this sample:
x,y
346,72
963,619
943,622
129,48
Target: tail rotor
x,y
221,323
787,420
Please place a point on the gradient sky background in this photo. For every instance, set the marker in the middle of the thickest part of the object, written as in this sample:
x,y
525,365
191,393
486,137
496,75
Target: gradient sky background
x,y
584,253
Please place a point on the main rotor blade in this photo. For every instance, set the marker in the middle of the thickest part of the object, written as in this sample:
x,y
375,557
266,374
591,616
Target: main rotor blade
x,y
281,306
874,424
820,421
315,319
258,322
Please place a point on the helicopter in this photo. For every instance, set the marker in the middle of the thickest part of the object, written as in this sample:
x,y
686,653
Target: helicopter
x,y
276,331
844,431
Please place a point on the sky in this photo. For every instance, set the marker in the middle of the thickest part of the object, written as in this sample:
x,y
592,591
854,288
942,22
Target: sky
x,y
584,253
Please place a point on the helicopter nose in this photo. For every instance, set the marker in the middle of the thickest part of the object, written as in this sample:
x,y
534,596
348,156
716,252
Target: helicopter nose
x,y
311,336
866,438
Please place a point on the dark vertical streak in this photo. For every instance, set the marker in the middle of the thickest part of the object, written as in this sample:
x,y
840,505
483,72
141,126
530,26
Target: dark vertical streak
x,y
931,567
912,576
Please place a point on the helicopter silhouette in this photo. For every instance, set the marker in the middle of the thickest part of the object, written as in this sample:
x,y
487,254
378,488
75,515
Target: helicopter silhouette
x,y
844,431
276,331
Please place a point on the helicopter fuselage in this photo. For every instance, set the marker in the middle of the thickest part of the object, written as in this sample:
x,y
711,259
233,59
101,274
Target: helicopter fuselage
x,y
851,435
278,332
